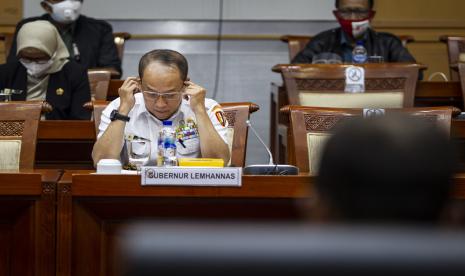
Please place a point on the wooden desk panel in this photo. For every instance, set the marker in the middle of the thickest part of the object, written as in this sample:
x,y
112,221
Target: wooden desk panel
x,y
27,222
65,145
93,208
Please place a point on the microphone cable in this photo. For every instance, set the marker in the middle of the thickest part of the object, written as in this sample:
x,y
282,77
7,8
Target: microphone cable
x,y
218,50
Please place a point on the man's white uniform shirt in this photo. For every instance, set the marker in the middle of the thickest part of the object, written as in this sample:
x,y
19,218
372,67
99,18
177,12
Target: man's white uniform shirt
x,y
143,124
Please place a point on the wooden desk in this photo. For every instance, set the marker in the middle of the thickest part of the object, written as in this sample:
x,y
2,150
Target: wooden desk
x,y
93,208
65,145
27,222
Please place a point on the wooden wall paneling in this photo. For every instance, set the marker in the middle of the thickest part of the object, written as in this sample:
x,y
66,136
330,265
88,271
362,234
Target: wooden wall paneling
x,y
426,20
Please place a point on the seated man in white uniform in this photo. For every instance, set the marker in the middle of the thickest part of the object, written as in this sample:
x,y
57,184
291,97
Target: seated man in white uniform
x,y
166,94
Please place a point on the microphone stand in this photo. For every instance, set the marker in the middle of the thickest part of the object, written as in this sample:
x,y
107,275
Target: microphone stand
x,y
271,168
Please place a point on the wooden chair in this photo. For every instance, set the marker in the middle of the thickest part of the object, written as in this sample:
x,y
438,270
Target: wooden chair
x,y
113,89
120,40
236,113
297,43
7,39
98,108
19,122
313,125
455,46
461,69
386,85
99,81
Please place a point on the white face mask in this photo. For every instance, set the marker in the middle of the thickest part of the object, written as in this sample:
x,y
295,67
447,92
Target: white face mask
x,y
360,28
36,69
66,12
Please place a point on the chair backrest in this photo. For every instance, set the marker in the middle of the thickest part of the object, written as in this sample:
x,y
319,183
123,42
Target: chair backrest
x,y
297,43
19,122
7,39
311,126
120,40
387,85
461,68
98,108
237,114
99,81
455,46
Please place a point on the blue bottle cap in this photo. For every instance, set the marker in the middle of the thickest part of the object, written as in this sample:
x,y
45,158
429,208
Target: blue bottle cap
x,y
360,43
167,123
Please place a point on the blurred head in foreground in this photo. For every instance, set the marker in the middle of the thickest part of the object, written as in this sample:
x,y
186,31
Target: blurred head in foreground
x,y
389,169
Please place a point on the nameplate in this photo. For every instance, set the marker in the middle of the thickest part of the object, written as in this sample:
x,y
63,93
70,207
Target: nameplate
x,y
191,176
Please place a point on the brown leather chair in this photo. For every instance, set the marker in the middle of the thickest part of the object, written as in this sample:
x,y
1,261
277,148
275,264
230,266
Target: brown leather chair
x,y
313,125
115,85
120,40
455,46
7,39
19,122
99,81
297,43
386,85
236,113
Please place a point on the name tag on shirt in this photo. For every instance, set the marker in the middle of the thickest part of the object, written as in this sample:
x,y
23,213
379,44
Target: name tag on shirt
x,y
189,176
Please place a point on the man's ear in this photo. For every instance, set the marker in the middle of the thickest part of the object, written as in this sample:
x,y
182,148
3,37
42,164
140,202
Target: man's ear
x,y
46,7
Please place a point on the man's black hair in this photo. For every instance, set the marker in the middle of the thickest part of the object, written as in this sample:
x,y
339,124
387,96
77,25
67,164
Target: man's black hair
x,y
386,170
166,57
371,4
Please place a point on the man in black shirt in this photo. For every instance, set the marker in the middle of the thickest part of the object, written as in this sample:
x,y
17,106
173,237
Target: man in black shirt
x,y
89,41
355,16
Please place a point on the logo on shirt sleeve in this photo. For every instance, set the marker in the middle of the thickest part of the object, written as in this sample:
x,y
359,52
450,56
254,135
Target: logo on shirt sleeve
x,y
219,114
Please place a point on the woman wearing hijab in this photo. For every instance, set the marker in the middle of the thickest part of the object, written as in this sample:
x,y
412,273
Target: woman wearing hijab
x,y
43,72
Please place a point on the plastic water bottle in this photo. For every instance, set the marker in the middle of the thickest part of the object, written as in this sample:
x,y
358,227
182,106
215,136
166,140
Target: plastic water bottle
x,y
167,146
359,54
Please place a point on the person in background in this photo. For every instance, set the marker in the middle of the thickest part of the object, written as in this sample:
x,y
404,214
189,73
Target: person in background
x,y
354,17
43,72
89,41
166,94
385,170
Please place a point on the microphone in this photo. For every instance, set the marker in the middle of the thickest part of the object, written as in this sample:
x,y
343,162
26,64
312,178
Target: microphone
x,y
271,168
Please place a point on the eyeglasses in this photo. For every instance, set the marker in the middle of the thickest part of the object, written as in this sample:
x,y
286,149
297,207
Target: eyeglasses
x,y
168,96
359,13
28,61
